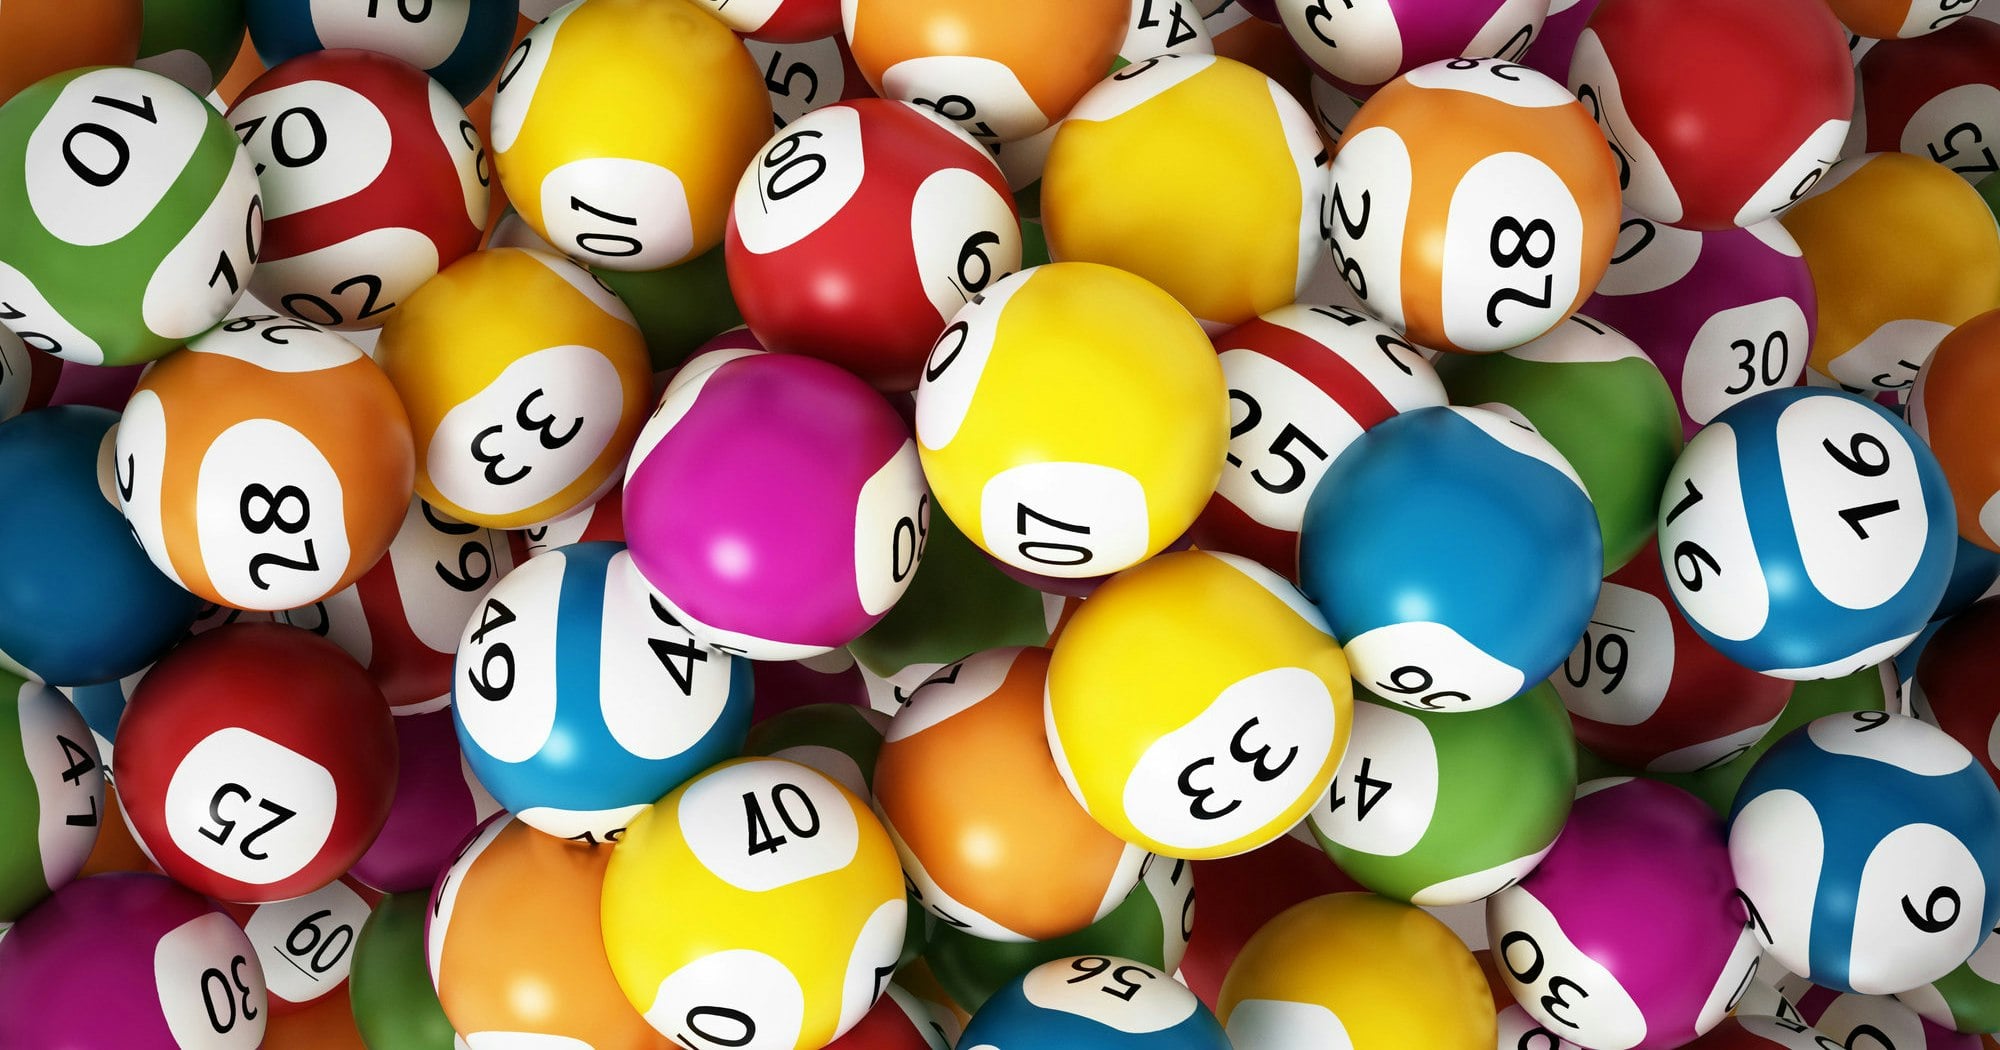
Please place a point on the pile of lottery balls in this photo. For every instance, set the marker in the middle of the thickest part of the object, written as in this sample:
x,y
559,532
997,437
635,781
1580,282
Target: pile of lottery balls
x,y
783,524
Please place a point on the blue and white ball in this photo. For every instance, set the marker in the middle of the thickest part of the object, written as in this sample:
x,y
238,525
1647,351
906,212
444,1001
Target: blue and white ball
x,y
460,43
1867,846
580,701
1456,554
1807,533
1094,1002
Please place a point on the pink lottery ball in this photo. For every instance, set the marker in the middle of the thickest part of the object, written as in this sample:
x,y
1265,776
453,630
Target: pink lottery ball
x,y
776,503
437,804
1726,314
1627,936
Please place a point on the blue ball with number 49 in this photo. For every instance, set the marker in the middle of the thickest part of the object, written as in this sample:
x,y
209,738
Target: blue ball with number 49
x,y
580,701
1807,533
1094,1002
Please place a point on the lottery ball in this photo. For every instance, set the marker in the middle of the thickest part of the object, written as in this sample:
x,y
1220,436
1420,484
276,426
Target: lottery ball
x,y
81,602
1358,48
538,422
1093,1001
27,379
1644,689
460,43
309,454
803,76
602,520
305,945
1358,968
374,179
137,216
1131,175
1304,382
776,503
1745,1031
1602,403
509,973
181,973
54,788
1550,52
779,21
1844,1020
389,983
437,804
898,1021
1935,95
860,229
610,704
1242,893
1165,27
1214,754
1641,873
1510,225
1442,626
601,184
990,838
1002,73
258,762
41,41
191,42
1884,303
1946,412
1725,314
1950,689
1966,999
789,913
1074,421
1446,808
401,619
840,740
1687,153
1884,19
1806,533
1899,890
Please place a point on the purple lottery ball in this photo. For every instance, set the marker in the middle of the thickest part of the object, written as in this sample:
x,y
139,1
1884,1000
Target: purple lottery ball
x,y
776,503
1556,44
130,960
1725,314
1360,47
437,804
1627,936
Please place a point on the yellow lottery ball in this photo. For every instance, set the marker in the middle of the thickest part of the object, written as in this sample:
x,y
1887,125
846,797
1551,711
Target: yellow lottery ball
x,y
1198,173
760,904
1357,970
526,383
1072,420
1197,706
1901,251
620,128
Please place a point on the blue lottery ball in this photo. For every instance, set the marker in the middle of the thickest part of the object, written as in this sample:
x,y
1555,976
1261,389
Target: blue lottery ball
x,y
80,602
1094,1002
1867,846
1455,554
580,701
460,43
1807,533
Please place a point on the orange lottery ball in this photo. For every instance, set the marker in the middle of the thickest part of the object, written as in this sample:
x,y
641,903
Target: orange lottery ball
x,y
39,38
1952,410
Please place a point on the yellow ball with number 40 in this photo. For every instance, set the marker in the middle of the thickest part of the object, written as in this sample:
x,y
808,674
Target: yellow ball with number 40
x,y
758,905
1197,706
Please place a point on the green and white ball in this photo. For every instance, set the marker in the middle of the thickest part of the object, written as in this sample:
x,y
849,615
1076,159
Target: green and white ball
x,y
1441,808
132,216
51,794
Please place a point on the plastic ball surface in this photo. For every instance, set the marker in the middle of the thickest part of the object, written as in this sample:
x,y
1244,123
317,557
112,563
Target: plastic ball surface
x,y
779,21
1473,205
1094,1001
1868,847
437,805
138,219
789,917
41,41
1444,626
1900,19
579,701
1360,47
52,784
1073,421
305,945
460,43
775,503
1806,533
1933,96
1946,411
191,42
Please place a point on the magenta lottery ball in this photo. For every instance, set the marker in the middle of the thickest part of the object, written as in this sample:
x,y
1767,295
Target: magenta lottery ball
x,y
437,804
130,960
1726,314
1627,936
776,504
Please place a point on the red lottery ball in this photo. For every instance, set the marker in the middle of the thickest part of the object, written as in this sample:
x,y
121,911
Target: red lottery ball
x,y
1954,685
779,21
1937,96
860,229
1240,894
256,762
1722,113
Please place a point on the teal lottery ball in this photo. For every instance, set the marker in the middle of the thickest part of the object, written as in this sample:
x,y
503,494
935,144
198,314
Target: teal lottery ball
x,y
1867,846
1455,554
580,701
1445,808
1807,533
80,602
51,794
1094,1002
460,43
132,216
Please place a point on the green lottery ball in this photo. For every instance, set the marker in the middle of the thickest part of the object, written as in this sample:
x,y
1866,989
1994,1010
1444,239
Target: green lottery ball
x,y
839,740
389,983
1440,808
1602,403
51,794
191,42
129,216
